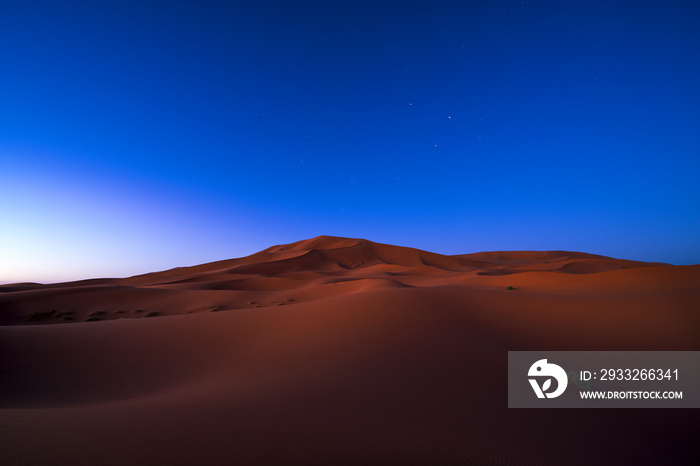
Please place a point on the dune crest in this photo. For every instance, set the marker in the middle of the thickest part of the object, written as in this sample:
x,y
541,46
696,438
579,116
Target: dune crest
x,y
285,274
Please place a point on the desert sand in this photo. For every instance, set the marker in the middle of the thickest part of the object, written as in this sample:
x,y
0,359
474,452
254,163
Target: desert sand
x,y
335,351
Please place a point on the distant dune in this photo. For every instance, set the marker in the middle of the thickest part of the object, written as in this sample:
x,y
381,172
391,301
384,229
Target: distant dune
x,y
334,351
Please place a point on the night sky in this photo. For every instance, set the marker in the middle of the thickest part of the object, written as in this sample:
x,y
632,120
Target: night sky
x,y
142,135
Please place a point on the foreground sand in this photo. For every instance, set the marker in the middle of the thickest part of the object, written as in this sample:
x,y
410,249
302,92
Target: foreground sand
x,y
335,351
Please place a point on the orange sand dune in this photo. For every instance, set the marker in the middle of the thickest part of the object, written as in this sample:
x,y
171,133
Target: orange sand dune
x,y
334,351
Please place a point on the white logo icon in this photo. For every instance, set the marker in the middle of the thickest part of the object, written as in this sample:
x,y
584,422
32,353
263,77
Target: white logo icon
x,y
542,369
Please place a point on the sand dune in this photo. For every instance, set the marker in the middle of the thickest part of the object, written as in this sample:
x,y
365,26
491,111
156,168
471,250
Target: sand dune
x,y
334,351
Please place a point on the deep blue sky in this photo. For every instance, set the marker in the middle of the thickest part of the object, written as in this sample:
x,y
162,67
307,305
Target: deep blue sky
x,y
142,135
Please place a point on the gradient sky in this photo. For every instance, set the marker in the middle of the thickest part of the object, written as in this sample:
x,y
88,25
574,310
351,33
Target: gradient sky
x,y
142,135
